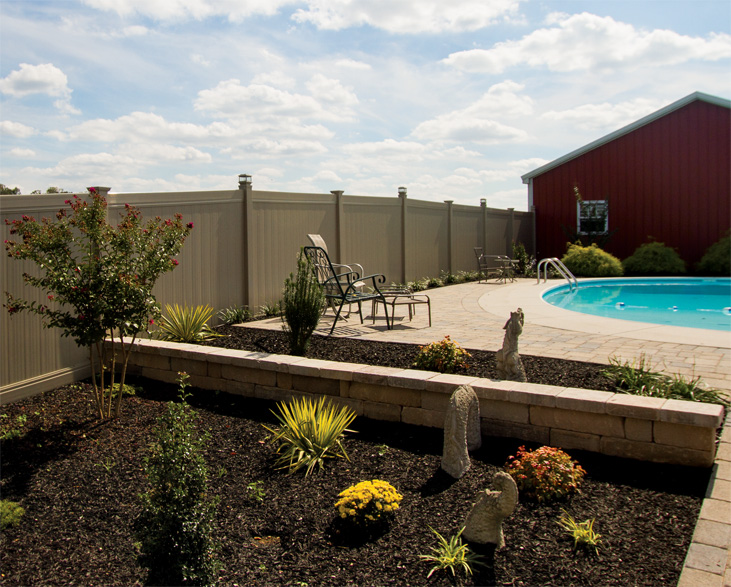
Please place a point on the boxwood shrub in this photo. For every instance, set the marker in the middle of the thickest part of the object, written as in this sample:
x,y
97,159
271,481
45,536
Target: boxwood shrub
x,y
717,258
654,259
591,261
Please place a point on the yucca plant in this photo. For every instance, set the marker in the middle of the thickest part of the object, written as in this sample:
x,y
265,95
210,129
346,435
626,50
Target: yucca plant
x,y
185,324
582,532
452,555
310,432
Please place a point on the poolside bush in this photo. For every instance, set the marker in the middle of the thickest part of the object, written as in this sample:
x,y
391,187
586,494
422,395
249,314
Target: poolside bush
x,y
591,261
302,304
175,526
654,258
717,258
525,265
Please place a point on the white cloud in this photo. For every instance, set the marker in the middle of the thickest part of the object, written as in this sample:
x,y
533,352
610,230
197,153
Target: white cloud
x,y
478,122
230,99
407,16
353,64
16,129
151,154
39,79
586,41
180,10
605,115
18,152
200,60
35,79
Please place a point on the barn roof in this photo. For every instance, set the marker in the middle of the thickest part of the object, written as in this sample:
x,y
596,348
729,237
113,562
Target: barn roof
x,y
626,130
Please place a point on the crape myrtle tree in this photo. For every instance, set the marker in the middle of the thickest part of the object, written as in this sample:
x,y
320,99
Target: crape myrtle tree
x,y
98,279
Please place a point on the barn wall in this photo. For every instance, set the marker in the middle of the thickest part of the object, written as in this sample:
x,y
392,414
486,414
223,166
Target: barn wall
x,y
669,180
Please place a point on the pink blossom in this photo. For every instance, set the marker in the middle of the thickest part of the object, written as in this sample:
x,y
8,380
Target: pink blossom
x,y
189,225
175,262
152,321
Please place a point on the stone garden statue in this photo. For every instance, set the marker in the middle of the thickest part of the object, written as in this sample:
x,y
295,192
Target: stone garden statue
x,y
484,523
461,431
509,365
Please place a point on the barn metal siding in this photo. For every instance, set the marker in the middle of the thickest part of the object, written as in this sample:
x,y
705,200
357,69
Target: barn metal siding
x,y
669,180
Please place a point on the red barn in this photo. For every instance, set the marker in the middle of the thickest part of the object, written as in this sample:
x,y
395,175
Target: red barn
x,y
666,176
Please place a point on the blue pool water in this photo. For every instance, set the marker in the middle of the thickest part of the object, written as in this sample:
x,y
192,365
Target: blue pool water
x,y
698,303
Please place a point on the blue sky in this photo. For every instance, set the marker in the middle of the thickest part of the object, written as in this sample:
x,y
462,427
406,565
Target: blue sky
x,y
455,100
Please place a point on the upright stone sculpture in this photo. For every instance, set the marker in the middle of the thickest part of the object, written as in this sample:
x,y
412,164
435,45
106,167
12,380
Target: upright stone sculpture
x,y
461,431
484,523
509,365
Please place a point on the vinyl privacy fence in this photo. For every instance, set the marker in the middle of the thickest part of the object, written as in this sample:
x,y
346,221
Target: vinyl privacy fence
x,y
244,245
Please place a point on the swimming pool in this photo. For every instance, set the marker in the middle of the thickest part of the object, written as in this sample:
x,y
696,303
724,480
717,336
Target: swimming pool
x,y
693,302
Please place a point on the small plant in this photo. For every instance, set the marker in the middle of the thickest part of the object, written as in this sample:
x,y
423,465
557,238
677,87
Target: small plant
x,y
12,428
256,490
452,555
449,278
654,259
368,503
234,315
582,532
303,303
544,474
271,310
638,378
382,449
434,282
107,464
526,263
175,528
309,433
10,513
717,258
591,261
445,356
185,324
417,285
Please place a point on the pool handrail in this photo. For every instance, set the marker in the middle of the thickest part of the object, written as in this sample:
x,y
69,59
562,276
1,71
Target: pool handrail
x,y
558,266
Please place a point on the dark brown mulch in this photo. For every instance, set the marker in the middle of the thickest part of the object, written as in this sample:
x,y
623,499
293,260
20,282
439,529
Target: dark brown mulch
x,y
79,479
544,370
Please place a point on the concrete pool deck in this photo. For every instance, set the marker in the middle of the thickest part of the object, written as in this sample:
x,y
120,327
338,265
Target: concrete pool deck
x,y
473,314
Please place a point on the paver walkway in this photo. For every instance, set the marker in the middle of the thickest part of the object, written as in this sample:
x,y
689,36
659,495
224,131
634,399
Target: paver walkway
x,y
474,314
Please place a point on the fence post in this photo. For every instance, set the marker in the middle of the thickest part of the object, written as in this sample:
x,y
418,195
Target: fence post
x,y
404,225
339,244
483,206
248,226
450,245
509,239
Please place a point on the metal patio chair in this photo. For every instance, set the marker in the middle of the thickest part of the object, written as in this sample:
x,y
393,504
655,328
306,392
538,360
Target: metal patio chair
x,y
341,286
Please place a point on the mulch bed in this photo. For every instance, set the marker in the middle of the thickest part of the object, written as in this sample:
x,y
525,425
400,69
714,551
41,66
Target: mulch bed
x,y
79,480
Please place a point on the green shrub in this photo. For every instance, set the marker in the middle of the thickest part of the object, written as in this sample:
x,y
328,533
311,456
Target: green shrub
x,y
368,503
175,526
638,378
271,310
434,282
654,259
717,258
544,474
184,324
303,303
445,356
591,261
417,285
451,555
309,433
10,514
234,315
526,263
11,428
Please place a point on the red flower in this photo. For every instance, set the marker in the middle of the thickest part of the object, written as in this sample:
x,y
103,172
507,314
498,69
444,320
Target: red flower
x,y
189,225
175,262
152,321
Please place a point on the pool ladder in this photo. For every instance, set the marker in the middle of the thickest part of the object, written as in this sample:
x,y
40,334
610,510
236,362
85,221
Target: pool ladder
x,y
556,263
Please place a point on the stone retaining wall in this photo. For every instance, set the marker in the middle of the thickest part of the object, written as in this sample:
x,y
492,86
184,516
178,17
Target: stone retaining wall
x,y
649,429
